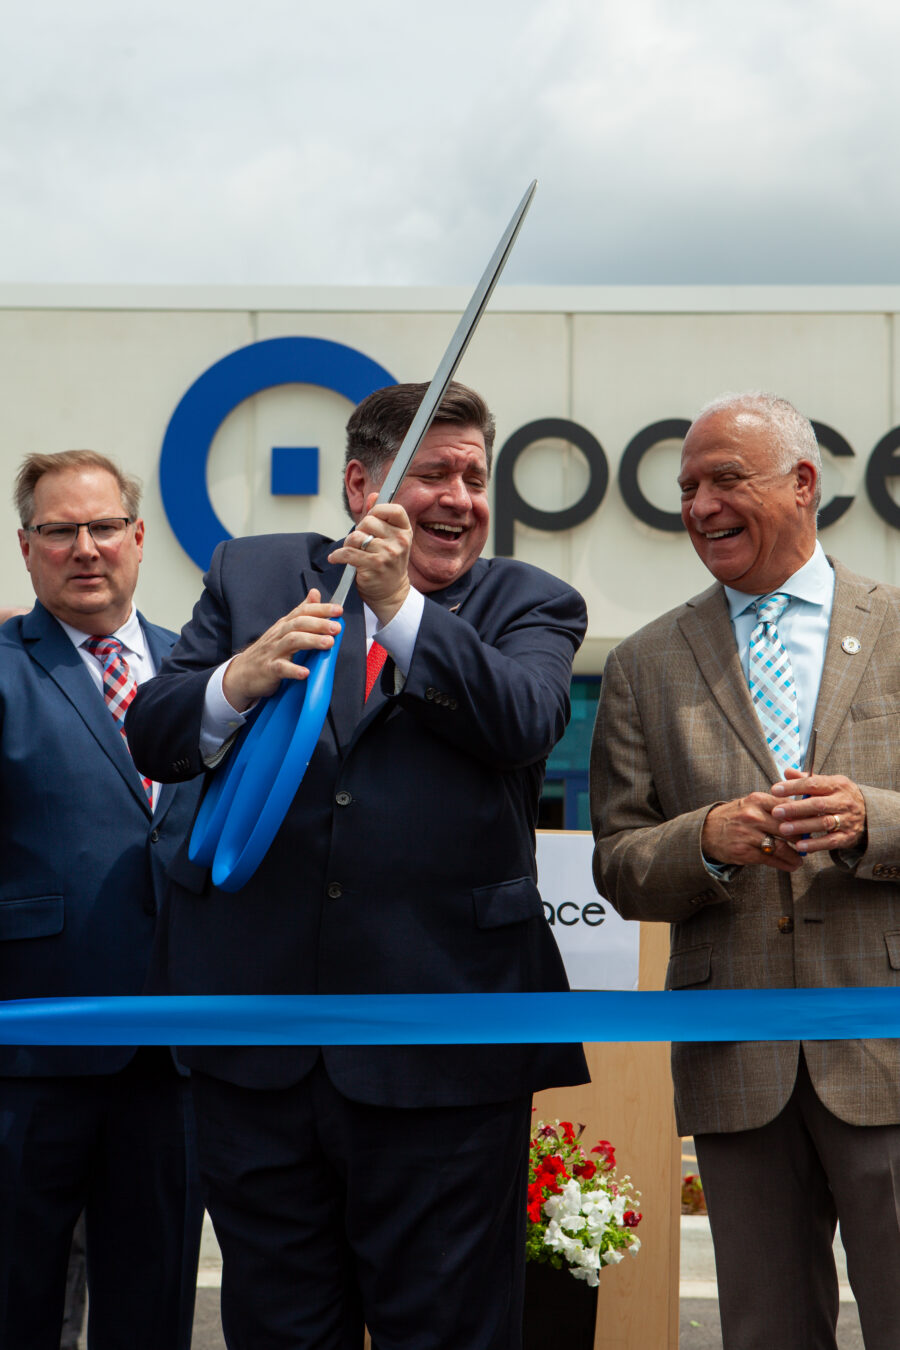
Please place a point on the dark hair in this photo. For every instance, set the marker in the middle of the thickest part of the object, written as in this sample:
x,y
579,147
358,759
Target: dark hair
x,y
377,426
34,467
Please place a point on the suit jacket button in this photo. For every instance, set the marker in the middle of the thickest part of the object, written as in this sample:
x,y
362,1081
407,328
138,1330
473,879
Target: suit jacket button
x,y
430,693
343,798
334,891
785,924
154,836
878,870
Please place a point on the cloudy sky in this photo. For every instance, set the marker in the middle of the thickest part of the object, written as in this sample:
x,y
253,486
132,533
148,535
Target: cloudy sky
x,y
354,142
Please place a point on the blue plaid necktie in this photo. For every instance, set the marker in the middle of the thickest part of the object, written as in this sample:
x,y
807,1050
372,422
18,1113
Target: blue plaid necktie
x,y
772,686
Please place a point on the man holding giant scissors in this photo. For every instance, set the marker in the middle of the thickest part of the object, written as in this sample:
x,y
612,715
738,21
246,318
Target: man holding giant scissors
x,y
384,1183
745,789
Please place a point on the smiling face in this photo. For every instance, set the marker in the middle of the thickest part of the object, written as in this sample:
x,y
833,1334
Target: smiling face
x,y
444,494
88,585
752,524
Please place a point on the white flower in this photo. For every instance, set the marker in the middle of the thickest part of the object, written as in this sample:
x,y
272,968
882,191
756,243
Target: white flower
x,y
613,1257
567,1202
560,1241
589,1276
589,1258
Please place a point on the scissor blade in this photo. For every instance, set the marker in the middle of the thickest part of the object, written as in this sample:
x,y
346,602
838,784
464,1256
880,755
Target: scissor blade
x,y
445,371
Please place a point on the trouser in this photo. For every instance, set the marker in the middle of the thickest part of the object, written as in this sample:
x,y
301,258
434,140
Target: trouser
x,y
121,1147
330,1212
774,1196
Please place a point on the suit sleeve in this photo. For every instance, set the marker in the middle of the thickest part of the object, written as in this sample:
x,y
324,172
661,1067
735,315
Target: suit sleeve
x,y
881,860
648,867
163,721
497,686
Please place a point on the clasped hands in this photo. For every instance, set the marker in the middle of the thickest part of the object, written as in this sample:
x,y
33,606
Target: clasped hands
x,y
378,547
806,813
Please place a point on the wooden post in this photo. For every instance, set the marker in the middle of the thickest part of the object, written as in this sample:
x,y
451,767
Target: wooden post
x,y
629,1102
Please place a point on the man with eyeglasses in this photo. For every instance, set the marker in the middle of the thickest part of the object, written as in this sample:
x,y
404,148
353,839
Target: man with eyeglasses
x,y
85,842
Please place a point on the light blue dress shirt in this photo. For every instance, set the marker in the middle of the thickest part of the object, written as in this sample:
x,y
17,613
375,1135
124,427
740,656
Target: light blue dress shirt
x,y
803,629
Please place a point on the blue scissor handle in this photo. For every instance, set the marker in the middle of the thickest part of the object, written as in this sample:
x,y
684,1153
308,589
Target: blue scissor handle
x,y
267,782
223,785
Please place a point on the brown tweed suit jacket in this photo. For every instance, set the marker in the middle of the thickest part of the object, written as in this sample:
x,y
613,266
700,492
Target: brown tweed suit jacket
x,y
676,733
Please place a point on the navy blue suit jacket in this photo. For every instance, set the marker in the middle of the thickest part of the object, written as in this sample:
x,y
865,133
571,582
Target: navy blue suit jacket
x,y
83,860
406,862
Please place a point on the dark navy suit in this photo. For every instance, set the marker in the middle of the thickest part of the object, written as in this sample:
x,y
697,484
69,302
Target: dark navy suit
x,y
406,864
81,888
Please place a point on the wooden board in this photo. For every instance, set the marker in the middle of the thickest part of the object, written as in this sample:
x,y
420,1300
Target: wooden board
x,y
629,1102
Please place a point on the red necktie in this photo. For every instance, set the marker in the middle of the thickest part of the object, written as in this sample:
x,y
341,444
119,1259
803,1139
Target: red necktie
x,y
119,687
375,660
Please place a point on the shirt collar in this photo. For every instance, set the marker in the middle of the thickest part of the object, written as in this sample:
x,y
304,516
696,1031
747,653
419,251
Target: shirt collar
x,y
130,634
812,582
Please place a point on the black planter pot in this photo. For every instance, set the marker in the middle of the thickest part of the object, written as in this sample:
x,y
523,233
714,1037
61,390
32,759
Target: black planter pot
x,y
559,1310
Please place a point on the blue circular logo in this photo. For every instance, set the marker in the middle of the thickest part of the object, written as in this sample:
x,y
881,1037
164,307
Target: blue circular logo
x,y
217,392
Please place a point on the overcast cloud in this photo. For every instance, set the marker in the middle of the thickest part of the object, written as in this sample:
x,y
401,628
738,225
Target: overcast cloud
x,y
350,142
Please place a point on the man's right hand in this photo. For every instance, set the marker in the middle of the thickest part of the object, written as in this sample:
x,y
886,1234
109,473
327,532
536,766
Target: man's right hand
x,y
736,831
257,671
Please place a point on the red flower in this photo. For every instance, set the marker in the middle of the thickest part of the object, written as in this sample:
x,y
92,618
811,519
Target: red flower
x,y
609,1154
550,1172
585,1169
630,1219
568,1130
534,1210
547,1132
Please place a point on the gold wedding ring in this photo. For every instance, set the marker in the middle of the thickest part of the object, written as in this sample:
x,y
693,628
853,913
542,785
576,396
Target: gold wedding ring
x,y
767,844
836,825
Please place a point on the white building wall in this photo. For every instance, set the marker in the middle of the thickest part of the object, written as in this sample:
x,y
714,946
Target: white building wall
x,y
105,368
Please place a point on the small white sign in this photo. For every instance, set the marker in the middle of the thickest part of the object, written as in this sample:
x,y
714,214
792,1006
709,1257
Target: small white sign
x,y
600,949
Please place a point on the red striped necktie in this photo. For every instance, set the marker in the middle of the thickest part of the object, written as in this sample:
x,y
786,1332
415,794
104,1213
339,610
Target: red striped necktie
x,y
375,660
119,687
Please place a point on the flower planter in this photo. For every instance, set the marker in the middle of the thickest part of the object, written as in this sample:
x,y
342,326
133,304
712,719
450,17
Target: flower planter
x,y
559,1310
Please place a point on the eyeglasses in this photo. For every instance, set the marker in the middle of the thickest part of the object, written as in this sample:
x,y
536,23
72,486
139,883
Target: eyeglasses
x,y
63,533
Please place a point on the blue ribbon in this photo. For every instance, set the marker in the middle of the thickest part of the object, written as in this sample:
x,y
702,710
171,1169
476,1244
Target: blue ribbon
x,y
455,1019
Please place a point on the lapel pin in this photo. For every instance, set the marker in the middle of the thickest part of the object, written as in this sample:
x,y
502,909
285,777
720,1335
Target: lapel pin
x,y
850,645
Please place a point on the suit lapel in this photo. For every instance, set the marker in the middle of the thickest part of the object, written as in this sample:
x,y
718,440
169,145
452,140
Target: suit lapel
x,y
858,611
51,649
453,598
706,626
350,672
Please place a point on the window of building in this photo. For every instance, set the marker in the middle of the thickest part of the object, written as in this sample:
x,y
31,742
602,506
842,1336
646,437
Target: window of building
x,y
564,802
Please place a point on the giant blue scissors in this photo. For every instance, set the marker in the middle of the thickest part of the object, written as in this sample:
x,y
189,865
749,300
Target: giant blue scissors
x,y
249,795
